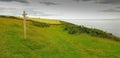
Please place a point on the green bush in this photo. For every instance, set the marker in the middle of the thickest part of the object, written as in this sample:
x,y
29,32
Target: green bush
x,y
40,24
74,29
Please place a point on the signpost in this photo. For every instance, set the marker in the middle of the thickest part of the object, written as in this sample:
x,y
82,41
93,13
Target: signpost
x,y
24,16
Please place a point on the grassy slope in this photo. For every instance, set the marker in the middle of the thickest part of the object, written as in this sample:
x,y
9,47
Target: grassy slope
x,y
45,20
51,42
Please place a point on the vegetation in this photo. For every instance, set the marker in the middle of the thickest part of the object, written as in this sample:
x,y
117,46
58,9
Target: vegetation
x,y
51,42
12,17
50,21
74,29
40,24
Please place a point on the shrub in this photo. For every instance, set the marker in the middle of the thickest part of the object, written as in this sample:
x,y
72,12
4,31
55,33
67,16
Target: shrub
x,y
40,24
74,29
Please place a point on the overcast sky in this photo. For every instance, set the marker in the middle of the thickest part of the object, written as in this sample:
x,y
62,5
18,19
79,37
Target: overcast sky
x,y
62,9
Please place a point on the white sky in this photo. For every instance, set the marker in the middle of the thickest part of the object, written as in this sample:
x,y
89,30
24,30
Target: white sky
x,y
62,9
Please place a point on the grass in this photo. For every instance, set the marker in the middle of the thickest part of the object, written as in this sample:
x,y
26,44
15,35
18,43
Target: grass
x,y
45,20
51,42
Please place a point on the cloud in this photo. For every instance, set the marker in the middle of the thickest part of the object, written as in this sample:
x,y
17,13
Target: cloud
x,y
1,8
76,0
22,1
48,3
109,1
30,12
58,8
111,10
10,11
81,0
118,7
102,1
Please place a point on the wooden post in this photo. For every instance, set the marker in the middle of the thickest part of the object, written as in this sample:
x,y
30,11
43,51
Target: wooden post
x,y
24,16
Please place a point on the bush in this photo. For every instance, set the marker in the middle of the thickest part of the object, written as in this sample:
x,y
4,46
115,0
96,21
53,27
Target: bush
x,y
74,29
40,24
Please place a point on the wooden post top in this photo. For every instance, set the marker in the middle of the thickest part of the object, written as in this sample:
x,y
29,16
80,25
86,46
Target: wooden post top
x,y
24,14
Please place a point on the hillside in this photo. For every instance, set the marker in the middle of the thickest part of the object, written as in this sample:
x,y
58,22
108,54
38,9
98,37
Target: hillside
x,y
45,20
51,42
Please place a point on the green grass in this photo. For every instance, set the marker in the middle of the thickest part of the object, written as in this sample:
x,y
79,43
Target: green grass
x,y
51,42
50,21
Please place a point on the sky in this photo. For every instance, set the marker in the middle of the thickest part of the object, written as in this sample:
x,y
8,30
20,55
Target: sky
x,y
62,9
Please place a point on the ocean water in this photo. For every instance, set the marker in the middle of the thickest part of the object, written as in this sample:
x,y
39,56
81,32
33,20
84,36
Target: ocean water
x,y
108,25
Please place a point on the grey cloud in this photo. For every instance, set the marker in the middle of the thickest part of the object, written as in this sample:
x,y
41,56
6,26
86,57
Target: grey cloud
x,y
111,10
48,3
9,11
81,0
109,1
4,9
1,8
30,11
36,12
76,0
117,7
22,1
102,1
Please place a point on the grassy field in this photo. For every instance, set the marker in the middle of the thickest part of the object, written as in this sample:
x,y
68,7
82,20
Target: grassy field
x,y
50,21
51,42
